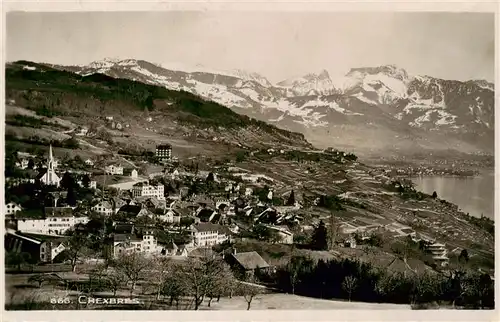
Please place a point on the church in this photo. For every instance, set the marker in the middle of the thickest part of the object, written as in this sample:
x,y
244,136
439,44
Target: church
x,y
49,177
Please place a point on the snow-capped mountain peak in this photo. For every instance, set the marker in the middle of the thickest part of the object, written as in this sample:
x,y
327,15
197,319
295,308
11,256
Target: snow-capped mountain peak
x,y
366,95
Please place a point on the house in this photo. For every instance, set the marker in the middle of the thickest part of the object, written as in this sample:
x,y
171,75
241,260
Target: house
x,y
172,249
81,131
206,214
350,242
123,228
113,169
286,236
23,164
132,211
92,184
152,202
134,174
208,234
171,216
141,190
104,207
89,162
129,243
41,248
11,208
164,152
246,263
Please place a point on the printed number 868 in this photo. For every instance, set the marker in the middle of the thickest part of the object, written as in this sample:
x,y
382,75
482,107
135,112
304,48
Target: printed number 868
x,y
60,300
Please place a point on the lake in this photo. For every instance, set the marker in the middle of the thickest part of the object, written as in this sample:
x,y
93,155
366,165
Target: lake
x,y
473,195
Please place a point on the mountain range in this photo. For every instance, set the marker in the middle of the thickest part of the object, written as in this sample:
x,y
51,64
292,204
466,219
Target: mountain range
x,y
369,110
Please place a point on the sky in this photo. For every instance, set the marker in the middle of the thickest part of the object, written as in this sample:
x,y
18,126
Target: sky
x,y
278,45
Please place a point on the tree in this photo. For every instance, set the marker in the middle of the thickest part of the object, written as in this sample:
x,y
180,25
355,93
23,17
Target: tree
x,y
349,285
249,291
17,259
291,199
67,181
320,237
86,181
132,266
198,276
31,164
464,256
434,195
173,286
163,268
222,281
71,196
296,267
333,232
114,280
76,248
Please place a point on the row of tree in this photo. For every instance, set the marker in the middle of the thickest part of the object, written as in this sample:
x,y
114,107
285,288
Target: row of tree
x,y
164,280
352,279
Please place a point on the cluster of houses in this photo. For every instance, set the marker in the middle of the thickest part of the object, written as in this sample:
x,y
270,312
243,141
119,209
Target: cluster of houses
x,y
209,216
183,223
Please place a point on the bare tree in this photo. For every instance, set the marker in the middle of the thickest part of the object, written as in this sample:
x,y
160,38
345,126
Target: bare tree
x,y
221,283
249,291
132,266
333,232
163,269
76,248
173,287
349,285
199,276
114,280
295,268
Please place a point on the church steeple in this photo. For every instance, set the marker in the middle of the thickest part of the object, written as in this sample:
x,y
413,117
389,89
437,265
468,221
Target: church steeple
x,y
50,161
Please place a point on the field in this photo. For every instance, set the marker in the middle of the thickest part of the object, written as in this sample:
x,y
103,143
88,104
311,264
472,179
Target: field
x,y
18,290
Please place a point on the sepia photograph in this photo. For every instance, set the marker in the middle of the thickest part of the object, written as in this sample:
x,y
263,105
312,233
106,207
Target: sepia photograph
x,y
249,160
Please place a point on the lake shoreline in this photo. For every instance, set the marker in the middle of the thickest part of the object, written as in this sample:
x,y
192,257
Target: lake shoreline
x,y
472,194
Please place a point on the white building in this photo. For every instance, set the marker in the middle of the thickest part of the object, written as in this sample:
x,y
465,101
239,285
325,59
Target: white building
x,y
146,190
207,234
89,162
23,164
81,131
11,208
113,169
128,243
134,174
92,184
56,224
50,177
170,216
439,253
104,207
286,236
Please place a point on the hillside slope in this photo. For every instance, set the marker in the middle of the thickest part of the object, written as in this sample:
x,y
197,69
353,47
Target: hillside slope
x,y
142,110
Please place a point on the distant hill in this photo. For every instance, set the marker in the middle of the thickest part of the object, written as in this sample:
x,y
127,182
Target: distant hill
x,y
169,113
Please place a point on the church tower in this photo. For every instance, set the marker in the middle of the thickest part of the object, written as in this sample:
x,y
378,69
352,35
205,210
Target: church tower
x,y
50,177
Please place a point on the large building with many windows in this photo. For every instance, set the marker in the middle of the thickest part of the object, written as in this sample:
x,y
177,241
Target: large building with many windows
x,y
145,190
164,152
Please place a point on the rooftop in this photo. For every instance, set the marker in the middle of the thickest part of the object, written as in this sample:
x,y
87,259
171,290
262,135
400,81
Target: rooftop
x,y
250,260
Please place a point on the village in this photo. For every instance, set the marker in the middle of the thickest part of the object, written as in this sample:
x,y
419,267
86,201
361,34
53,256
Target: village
x,y
161,207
